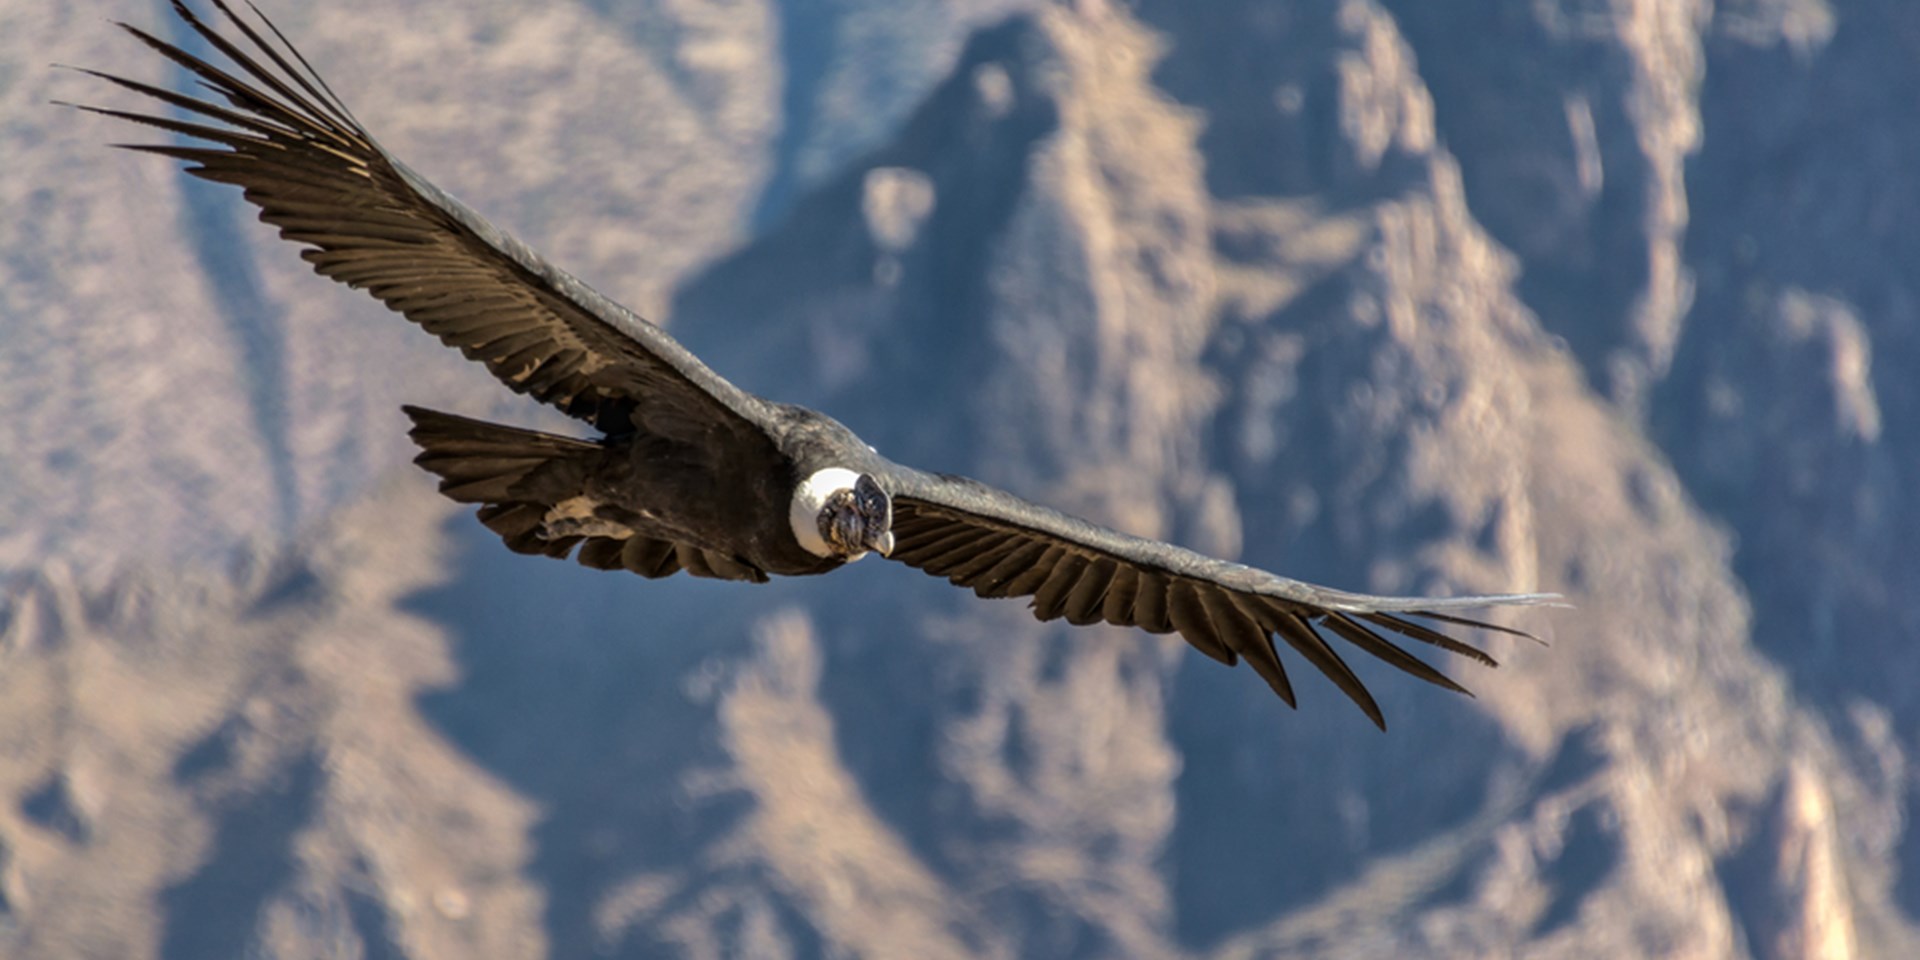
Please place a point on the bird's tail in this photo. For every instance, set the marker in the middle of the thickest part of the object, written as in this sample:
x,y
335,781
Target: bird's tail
x,y
515,474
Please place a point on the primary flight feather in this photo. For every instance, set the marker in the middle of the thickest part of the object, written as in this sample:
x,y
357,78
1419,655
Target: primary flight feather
x,y
691,472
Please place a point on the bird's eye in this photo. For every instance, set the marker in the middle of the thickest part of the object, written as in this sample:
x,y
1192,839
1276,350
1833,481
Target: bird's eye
x,y
870,500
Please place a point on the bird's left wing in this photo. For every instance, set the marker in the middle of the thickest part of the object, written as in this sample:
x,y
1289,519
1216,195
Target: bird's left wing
x,y
370,222
1002,546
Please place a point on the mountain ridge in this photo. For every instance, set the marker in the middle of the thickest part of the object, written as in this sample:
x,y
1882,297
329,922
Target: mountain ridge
x,y
1318,287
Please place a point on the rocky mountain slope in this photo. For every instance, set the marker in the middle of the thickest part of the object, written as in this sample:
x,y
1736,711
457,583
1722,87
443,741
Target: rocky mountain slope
x,y
1600,298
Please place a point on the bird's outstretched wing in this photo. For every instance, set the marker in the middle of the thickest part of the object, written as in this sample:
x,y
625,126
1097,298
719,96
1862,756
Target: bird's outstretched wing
x,y
370,222
1002,546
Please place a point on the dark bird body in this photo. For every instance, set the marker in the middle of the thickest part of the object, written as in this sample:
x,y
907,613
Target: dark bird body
x,y
691,472
642,501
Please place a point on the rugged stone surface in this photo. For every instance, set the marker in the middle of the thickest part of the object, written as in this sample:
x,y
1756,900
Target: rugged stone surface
x,y
1603,298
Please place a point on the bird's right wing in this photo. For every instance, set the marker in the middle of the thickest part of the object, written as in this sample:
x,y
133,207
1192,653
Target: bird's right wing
x,y
368,221
1002,546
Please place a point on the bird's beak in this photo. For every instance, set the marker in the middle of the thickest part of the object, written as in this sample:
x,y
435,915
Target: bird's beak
x,y
885,544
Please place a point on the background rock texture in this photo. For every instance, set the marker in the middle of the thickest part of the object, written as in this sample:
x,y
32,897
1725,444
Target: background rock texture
x,y
1610,297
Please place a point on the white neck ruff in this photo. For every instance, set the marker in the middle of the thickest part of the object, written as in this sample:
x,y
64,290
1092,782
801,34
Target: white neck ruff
x,y
808,498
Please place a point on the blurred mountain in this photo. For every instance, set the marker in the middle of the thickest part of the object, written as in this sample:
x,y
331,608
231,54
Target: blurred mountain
x,y
1393,296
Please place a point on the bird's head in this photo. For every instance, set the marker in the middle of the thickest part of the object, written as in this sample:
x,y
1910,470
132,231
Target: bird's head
x,y
841,514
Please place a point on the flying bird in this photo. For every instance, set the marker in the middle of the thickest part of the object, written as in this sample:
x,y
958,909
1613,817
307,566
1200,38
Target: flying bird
x,y
690,472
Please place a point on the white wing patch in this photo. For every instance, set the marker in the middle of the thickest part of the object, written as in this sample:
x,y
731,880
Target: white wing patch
x,y
808,498
578,517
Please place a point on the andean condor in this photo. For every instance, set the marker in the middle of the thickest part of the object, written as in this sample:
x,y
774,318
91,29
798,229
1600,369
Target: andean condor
x,y
691,472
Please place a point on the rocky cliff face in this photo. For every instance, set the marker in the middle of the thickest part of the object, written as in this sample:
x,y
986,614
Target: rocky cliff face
x,y
1399,297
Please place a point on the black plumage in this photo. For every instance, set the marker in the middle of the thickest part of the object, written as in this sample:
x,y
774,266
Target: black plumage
x,y
692,473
